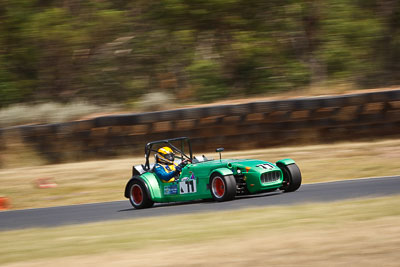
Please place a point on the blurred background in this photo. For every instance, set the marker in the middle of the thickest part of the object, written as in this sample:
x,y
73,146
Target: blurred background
x,y
107,55
70,68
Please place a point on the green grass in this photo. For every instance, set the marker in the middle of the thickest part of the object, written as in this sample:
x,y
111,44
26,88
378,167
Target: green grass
x,y
360,223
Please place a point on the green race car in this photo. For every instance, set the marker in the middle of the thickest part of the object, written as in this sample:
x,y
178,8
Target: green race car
x,y
202,178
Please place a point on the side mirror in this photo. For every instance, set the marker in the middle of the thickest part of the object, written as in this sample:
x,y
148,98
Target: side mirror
x,y
219,150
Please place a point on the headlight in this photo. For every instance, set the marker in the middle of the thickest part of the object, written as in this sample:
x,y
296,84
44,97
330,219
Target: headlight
x,y
239,171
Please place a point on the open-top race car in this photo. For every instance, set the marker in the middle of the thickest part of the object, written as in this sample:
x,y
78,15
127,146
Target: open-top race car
x,y
202,178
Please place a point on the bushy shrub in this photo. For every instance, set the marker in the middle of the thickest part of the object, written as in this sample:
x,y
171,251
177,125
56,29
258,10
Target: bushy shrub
x,y
207,80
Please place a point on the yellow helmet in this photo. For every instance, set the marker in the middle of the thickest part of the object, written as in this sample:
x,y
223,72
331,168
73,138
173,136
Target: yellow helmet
x,y
165,155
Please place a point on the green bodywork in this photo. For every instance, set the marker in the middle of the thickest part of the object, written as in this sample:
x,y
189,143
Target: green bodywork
x,y
194,180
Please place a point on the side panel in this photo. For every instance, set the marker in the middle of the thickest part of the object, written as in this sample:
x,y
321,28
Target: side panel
x,y
194,182
192,185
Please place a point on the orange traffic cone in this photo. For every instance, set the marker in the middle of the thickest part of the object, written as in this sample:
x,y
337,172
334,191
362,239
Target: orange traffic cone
x,y
4,203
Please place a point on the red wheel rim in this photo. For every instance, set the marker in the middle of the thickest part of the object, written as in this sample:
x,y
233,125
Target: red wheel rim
x,y
137,194
218,187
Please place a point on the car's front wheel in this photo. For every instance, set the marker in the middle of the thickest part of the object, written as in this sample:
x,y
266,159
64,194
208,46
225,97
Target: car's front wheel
x,y
223,188
138,196
291,177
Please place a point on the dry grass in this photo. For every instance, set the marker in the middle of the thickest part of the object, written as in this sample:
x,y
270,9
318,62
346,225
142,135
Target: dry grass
x,y
50,112
304,92
105,180
354,233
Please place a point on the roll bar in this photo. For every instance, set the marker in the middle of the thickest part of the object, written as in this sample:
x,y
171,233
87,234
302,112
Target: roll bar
x,y
149,148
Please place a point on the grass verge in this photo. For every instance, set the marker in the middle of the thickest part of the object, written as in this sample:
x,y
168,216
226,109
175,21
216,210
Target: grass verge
x,y
361,232
104,180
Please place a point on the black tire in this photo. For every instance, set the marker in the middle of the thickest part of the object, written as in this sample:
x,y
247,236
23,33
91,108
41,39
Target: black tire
x,y
223,188
291,177
138,195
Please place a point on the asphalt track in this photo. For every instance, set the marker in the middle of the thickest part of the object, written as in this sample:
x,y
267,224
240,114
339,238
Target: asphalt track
x,y
117,210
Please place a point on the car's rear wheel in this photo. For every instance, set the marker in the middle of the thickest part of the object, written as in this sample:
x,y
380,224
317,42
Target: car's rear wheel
x,y
223,188
291,177
138,196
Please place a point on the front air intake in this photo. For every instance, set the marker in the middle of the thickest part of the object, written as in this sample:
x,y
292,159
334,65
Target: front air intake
x,y
270,177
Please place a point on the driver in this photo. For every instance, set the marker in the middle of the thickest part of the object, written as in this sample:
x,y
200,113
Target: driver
x,y
165,168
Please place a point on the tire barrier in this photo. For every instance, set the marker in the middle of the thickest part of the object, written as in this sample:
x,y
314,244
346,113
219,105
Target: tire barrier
x,y
237,126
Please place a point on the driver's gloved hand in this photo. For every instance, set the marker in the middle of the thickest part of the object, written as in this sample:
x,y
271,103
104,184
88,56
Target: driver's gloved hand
x,y
181,165
179,168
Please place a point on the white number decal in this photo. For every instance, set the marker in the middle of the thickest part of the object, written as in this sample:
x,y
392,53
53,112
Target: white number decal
x,y
265,166
188,186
